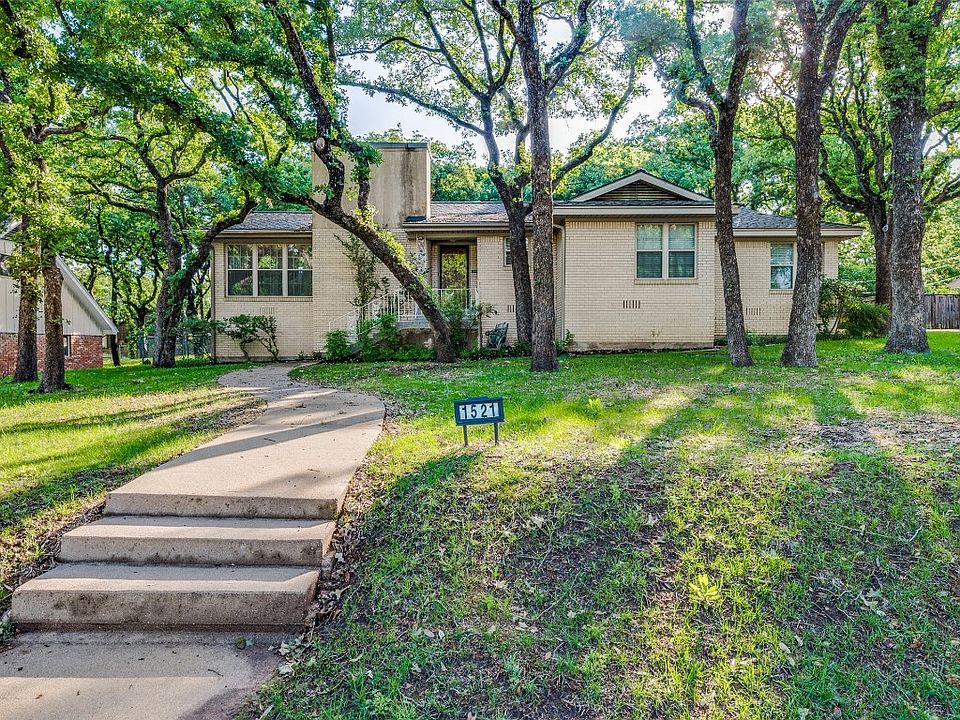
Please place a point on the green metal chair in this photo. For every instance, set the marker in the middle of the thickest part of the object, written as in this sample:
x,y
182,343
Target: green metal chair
x,y
497,337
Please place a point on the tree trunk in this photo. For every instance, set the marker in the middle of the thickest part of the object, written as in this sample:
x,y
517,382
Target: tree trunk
x,y
907,327
114,351
522,290
544,345
26,368
723,197
28,284
879,220
801,347
54,362
169,299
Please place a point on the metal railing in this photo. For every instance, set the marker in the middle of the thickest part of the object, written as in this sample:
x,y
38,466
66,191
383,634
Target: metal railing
x,y
197,345
401,305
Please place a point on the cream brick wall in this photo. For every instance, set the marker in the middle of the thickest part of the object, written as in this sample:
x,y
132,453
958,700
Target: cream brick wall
x,y
766,311
599,298
294,315
495,283
607,307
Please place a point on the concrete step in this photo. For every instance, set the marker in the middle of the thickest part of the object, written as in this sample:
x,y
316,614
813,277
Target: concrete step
x,y
156,597
173,503
198,541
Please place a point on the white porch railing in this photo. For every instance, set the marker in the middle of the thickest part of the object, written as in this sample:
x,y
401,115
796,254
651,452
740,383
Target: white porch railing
x,y
402,305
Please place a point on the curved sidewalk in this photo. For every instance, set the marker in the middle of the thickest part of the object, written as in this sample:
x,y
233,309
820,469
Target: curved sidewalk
x,y
240,522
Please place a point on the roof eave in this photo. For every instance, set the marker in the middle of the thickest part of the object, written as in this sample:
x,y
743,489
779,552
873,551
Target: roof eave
x,y
104,323
792,232
264,233
438,226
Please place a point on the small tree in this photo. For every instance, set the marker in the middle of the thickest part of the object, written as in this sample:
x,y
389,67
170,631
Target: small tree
x,y
249,329
369,286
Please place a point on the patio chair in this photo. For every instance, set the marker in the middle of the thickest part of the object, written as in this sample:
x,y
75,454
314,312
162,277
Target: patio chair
x,y
497,337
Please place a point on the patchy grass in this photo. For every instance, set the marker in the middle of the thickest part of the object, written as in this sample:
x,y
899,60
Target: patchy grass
x,y
60,453
659,535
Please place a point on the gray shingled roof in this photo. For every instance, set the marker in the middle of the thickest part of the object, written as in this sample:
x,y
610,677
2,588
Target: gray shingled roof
x,y
748,219
275,221
450,211
465,212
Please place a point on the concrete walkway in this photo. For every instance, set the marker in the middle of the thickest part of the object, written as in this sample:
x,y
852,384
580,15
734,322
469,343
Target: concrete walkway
x,y
142,616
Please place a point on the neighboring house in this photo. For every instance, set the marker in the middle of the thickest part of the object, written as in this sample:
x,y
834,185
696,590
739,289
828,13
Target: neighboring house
x,y
636,263
85,322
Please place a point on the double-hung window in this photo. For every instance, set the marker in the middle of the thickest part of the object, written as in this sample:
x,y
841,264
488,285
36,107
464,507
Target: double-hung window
x,y
781,266
299,270
507,257
269,270
666,250
239,270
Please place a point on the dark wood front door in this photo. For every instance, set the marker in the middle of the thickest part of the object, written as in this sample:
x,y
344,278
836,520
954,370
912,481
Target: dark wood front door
x,y
454,267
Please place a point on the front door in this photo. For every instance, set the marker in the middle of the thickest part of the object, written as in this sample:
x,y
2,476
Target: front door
x,y
454,267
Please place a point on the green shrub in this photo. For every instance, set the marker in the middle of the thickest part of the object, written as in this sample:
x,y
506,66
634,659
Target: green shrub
x,y
412,353
836,299
866,320
248,329
564,343
389,334
338,347
366,345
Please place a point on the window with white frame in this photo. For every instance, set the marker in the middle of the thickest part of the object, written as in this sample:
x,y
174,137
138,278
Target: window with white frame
x,y
4,265
269,270
507,257
666,250
781,266
240,270
299,270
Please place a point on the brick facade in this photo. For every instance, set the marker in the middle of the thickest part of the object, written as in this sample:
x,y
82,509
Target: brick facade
x,y
86,351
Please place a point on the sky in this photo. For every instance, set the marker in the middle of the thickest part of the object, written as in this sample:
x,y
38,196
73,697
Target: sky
x,y
374,114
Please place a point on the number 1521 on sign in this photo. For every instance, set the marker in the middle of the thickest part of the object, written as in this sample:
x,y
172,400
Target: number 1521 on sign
x,y
479,411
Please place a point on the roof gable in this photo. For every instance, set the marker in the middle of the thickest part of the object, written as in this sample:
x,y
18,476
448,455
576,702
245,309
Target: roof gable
x,y
640,185
71,284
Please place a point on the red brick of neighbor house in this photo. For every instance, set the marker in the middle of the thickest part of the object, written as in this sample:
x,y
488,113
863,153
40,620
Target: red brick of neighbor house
x,y
86,351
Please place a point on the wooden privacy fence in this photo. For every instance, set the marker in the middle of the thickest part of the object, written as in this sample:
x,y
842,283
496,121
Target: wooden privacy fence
x,y
942,312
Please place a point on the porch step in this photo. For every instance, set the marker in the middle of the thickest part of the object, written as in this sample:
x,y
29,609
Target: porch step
x,y
92,596
198,541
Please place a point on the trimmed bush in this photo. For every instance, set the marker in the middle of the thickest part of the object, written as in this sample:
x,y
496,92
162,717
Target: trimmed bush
x,y
866,320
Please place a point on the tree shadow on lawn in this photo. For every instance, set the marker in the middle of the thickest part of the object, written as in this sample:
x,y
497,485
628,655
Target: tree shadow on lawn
x,y
874,591
655,558
33,517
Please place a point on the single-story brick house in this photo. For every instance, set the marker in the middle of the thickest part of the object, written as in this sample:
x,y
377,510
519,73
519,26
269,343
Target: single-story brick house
x,y
636,262
85,322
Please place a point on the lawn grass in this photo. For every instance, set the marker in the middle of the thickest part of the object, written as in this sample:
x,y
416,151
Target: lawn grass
x,y
60,453
658,536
